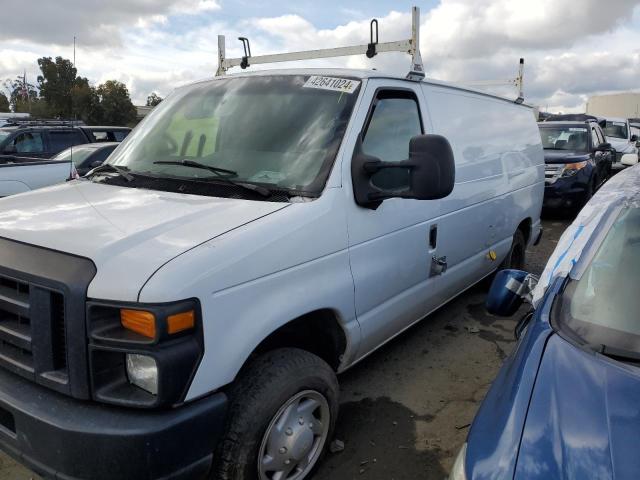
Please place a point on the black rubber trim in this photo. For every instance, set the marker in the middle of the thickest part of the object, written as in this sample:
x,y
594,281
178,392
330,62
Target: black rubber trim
x,y
69,275
60,437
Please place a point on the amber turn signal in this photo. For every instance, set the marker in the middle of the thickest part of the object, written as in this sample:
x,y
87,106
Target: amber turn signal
x,y
139,321
180,322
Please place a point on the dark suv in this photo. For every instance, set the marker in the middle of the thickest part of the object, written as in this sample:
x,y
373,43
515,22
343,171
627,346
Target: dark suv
x,y
46,139
577,161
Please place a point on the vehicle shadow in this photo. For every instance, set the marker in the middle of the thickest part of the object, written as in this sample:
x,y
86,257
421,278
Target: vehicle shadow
x,y
559,214
380,437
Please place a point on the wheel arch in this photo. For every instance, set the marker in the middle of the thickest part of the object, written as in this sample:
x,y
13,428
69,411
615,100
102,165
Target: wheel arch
x,y
319,332
525,227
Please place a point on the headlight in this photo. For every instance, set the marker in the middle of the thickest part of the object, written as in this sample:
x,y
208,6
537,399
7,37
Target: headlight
x,y
143,355
457,472
142,371
571,169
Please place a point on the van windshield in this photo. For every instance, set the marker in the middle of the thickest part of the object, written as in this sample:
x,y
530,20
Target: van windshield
x,y
603,306
616,129
278,131
565,138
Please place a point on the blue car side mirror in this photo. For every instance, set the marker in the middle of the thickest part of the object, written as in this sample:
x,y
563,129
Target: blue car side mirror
x,y
510,288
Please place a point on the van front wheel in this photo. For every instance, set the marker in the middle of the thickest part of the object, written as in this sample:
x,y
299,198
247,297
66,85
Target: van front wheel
x,y
282,412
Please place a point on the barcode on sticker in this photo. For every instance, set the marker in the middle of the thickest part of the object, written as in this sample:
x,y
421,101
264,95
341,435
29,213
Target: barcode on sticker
x,y
332,83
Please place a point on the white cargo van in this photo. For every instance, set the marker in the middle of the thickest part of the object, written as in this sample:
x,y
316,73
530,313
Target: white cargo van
x,y
185,309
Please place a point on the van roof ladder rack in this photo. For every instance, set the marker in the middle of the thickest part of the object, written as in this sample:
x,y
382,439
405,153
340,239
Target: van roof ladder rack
x,y
410,46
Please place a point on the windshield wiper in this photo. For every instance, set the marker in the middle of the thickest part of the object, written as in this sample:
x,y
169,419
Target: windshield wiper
x,y
619,353
108,167
220,173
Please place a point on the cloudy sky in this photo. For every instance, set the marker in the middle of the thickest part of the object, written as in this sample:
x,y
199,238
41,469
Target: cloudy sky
x,y
572,48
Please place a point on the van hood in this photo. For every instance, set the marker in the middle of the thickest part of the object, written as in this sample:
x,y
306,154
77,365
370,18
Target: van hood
x,y
564,156
584,418
128,233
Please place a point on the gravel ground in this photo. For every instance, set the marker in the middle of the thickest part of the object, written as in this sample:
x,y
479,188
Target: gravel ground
x,y
406,409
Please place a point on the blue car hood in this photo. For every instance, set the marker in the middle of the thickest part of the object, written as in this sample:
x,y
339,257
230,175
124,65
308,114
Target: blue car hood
x,y
583,419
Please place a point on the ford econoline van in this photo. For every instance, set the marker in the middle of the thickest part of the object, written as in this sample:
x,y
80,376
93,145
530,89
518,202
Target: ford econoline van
x,y
184,309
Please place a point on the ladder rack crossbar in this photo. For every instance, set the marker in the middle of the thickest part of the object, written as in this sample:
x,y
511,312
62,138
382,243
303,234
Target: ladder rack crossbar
x,y
410,46
403,46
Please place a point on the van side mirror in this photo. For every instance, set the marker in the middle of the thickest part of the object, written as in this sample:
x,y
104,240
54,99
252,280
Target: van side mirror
x,y
510,288
603,147
629,159
430,167
634,138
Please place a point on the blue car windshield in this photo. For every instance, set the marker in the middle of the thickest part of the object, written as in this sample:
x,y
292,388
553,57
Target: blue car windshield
x,y
603,306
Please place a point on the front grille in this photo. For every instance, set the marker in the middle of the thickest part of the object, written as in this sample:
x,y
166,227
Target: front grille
x,y
59,332
27,311
552,172
43,295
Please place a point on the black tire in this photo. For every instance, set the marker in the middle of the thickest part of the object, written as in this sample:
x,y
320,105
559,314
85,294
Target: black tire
x,y
516,257
263,387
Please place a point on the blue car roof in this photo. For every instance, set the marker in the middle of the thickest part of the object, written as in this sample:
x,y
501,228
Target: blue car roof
x,y
620,192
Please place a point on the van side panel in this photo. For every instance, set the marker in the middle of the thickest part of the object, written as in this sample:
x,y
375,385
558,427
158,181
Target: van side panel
x,y
499,166
499,184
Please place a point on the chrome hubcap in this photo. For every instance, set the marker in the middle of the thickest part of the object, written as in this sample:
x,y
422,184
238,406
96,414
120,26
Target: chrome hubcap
x,y
295,437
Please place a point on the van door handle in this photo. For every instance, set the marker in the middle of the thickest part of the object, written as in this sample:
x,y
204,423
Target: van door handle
x,y
438,265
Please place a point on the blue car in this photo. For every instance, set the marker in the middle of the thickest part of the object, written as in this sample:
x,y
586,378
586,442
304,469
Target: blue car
x,y
566,404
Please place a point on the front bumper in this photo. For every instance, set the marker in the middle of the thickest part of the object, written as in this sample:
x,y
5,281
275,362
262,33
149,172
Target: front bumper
x,y
63,438
568,199
567,192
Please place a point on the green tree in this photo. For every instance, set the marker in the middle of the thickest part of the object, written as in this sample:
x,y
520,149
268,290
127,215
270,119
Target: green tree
x,y
4,103
86,103
115,103
153,99
24,97
56,83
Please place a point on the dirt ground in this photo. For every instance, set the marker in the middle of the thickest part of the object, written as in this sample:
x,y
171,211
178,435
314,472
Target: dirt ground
x,y
406,409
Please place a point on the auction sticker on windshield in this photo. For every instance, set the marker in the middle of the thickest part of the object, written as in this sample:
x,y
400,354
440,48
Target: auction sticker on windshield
x,y
343,85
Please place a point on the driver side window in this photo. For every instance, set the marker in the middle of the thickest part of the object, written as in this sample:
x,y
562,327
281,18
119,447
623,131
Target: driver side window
x,y
29,142
394,120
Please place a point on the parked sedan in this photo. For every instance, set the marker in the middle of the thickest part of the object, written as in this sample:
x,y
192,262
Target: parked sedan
x,y
566,403
87,156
